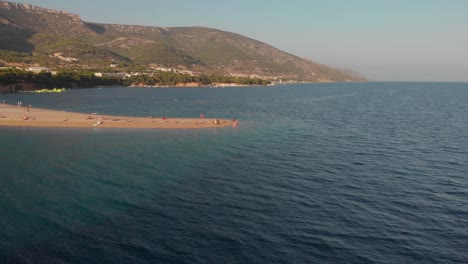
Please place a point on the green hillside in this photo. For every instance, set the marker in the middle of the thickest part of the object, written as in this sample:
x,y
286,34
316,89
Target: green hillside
x,y
53,37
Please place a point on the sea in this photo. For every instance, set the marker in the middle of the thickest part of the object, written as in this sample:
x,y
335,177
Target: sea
x,y
314,173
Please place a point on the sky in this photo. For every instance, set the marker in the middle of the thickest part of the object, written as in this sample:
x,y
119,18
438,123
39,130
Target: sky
x,y
384,40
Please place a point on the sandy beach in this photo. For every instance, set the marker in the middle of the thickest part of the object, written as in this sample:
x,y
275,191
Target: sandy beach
x,y
12,115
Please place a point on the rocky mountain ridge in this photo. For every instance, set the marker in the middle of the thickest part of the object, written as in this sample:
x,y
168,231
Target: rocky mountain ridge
x,y
40,33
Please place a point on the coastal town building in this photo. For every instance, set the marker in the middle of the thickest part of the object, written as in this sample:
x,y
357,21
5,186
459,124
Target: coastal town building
x,y
61,57
38,69
112,74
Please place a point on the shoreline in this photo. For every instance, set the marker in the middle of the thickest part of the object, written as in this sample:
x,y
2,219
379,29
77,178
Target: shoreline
x,y
30,87
16,116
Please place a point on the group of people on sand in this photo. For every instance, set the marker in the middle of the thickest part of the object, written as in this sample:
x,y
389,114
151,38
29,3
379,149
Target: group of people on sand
x,y
20,104
216,121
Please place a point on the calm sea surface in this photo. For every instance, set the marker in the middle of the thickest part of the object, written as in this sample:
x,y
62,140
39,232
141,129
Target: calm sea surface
x,y
315,173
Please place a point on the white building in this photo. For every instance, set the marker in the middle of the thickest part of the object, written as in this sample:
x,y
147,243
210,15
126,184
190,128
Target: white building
x,y
38,69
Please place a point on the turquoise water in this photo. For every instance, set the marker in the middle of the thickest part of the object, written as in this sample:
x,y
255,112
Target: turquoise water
x,y
328,173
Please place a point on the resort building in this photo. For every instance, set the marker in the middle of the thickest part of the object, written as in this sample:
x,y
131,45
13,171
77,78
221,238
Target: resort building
x,y
38,69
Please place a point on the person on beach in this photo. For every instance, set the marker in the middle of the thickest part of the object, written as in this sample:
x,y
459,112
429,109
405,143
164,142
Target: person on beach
x,y
202,116
10,116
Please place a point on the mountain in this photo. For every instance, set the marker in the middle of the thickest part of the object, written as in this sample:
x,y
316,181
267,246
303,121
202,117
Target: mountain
x,y
32,34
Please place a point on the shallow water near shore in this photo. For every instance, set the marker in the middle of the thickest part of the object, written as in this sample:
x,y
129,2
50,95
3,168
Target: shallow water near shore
x,y
314,173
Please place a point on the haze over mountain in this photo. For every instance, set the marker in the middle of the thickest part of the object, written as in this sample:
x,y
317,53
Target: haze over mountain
x,y
58,38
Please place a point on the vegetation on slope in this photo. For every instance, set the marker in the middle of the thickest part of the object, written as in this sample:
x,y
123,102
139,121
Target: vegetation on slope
x,y
67,78
41,33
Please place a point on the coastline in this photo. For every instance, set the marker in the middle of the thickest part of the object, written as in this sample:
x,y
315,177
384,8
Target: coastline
x,y
30,87
15,116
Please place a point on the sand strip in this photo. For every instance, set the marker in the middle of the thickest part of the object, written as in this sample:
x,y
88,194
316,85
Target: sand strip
x,y
12,115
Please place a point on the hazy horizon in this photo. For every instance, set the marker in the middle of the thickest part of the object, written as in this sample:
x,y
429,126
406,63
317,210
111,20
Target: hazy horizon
x,y
384,41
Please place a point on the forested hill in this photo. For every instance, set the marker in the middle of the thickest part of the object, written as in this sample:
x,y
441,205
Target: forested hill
x,y
56,38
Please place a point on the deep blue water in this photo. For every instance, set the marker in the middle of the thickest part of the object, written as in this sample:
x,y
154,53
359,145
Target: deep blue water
x,y
315,173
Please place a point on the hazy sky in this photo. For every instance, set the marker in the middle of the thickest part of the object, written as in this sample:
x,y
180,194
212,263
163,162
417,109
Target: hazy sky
x,y
397,40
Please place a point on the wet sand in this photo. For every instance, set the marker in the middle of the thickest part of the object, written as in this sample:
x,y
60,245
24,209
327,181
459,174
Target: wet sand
x,y
12,115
